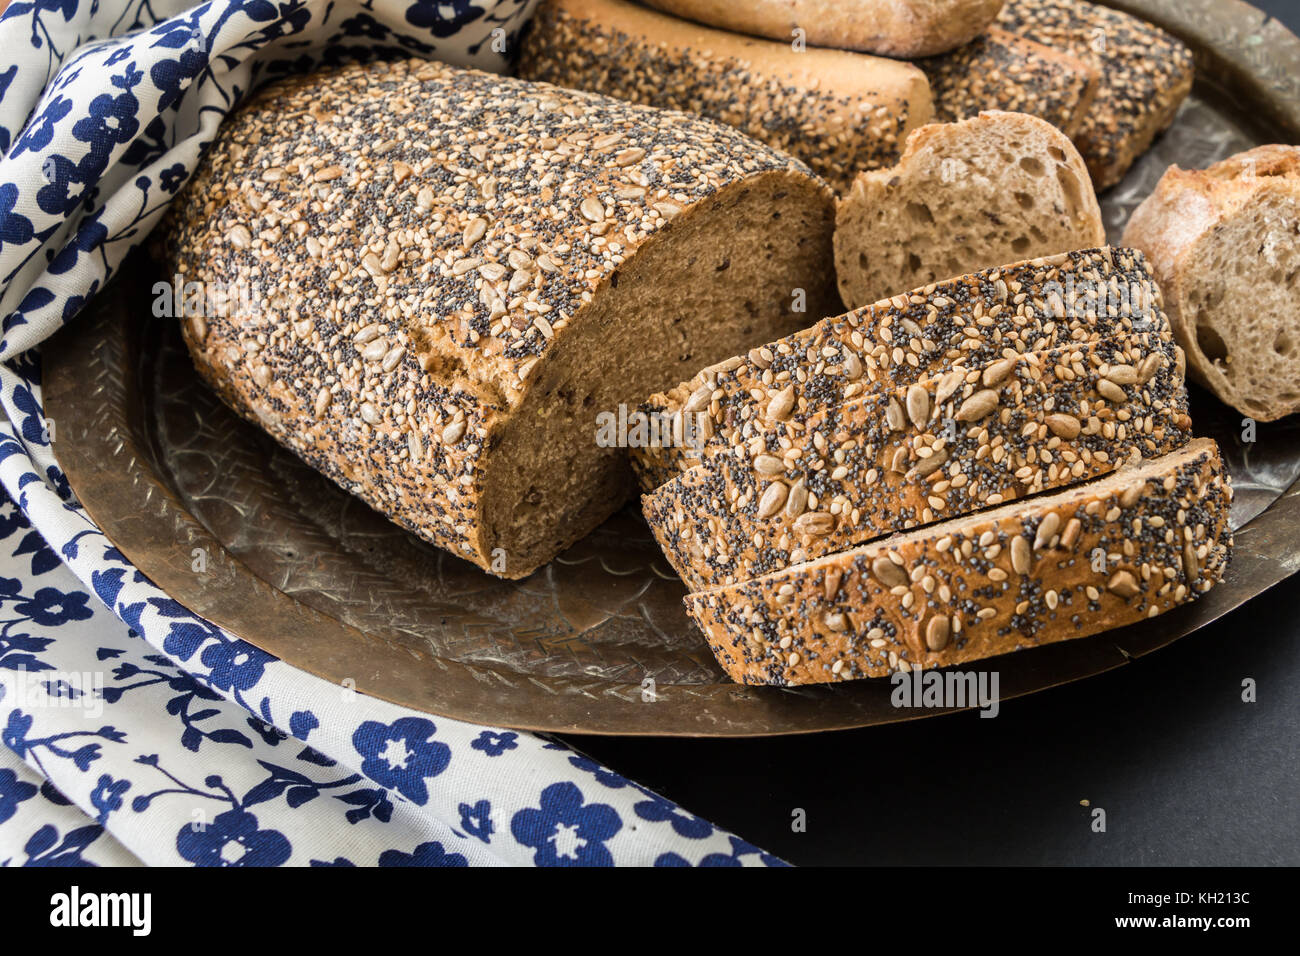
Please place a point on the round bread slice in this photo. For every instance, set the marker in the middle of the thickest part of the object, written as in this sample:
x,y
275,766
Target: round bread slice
x,y
999,187
458,274
1132,545
1224,243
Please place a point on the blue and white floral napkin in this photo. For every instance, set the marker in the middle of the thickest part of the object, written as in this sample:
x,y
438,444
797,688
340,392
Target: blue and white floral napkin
x,y
133,731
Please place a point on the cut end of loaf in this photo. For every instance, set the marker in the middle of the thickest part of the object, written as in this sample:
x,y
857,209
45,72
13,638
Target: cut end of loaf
x,y
1225,246
717,280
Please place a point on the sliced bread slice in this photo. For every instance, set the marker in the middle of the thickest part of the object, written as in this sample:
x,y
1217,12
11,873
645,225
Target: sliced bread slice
x,y
901,458
1000,187
1001,71
1098,556
964,322
1225,245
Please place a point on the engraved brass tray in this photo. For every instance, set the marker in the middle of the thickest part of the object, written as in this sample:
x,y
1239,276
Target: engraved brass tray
x,y
597,642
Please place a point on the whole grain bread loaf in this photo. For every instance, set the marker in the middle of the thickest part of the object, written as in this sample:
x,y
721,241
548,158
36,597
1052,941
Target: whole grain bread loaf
x,y
999,187
1224,243
458,272
839,112
1143,75
964,322
888,27
1001,71
1132,545
900,458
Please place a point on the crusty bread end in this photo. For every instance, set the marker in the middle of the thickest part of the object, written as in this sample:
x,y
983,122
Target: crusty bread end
x,y
1224,244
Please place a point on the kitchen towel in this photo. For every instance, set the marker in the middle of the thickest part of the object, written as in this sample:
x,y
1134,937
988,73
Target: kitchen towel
x,y
148,734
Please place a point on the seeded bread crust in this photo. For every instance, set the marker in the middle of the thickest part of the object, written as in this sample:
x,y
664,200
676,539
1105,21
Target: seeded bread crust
x,y
998,187
434,251
968,321
887,27
1002,71
899,459
839,112
1143,75
1020,576
1225,245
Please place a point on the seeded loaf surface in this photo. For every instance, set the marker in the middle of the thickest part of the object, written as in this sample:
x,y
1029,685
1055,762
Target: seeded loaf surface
x,y
1225,245
968,321
888,27
901,458
457,272
839,112
1143,75
999,187
1132,545
1001,71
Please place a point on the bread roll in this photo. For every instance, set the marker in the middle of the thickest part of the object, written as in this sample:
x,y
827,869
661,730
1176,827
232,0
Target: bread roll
x,y
887,27
839,112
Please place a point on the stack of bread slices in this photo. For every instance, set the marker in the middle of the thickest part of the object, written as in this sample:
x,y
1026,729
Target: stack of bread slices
x,y
991,462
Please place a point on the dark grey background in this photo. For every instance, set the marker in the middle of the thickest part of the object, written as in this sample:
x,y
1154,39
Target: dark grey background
x,y
1187,773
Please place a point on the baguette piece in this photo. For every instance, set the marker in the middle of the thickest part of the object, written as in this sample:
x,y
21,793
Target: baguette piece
x,y
839,112
1000,187
1144,74
1002,71
968,322
887,27
1225,245
901,458
1135,544
459,271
